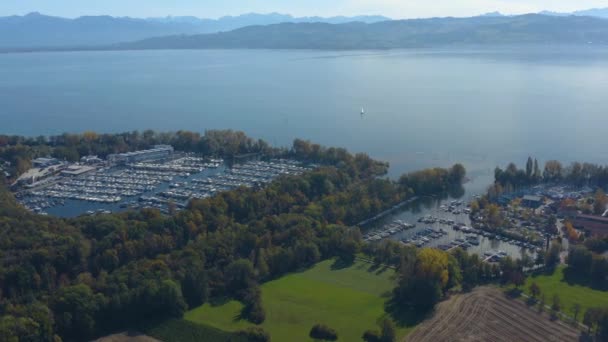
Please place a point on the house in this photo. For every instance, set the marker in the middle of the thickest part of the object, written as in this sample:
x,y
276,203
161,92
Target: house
x,y
532,201
592,224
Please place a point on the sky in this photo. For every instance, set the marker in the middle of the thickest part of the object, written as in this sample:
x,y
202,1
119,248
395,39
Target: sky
x,y
396,9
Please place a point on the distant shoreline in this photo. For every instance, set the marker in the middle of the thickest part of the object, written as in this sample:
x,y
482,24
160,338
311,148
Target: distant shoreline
x,y
10,51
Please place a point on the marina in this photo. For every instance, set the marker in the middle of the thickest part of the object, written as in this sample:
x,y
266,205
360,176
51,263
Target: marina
x,y
445,225
170,182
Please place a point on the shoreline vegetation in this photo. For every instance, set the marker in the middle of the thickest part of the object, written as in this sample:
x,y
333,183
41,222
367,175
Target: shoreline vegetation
x,y
80,278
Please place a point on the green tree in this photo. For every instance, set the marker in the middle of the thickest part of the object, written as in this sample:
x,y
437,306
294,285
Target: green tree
x,y
543,302
371,336
534,290
170,298
529,168
590,318
552,256
240,275
576,310
536,174
389,333
255,334
555,306
76,309
321,332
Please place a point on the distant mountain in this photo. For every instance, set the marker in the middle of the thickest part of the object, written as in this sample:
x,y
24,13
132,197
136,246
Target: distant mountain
x,y
595,12
492,14
229,23
37,30
484,30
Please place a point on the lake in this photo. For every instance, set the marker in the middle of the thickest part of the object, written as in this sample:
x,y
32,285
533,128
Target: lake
x,y
423,108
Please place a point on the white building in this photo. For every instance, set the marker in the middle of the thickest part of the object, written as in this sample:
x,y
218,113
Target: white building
x,y
158,152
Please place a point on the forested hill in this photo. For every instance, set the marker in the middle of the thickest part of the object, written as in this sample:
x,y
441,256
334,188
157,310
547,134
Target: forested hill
x,y
525,29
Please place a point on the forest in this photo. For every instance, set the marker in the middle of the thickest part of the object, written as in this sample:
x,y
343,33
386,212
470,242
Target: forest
x,y
76,279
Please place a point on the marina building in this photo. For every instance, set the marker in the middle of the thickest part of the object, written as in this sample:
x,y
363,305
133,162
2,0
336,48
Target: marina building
x,y
45,162
91,160
158,152
77,170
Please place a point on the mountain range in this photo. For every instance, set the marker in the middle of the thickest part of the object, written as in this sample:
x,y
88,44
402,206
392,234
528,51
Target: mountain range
x,y
38,30
436,32
594,12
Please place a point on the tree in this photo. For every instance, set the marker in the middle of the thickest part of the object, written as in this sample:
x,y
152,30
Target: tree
x,y
576,309
580,261
255,334
389,333
537,174
553,171
322,332
534,290
542,302
371,336
555,306
529,168
423,278
240,275
589,319
475,207
75,310
170,299
599,205
552,256
457,174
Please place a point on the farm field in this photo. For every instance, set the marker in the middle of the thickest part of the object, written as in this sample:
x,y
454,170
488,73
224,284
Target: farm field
x,y
486,314
350,300
569,294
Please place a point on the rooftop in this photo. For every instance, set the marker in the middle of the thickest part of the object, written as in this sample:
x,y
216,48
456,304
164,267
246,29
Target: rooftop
x,y
592,218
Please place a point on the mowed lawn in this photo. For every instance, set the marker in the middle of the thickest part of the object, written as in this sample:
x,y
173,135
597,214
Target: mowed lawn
x,y
350,300
568,294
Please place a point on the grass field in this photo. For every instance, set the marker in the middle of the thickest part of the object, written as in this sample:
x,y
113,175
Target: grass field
x,y
350,300
179,330
569,294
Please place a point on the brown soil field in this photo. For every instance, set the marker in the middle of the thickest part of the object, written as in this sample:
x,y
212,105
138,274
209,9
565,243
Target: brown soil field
x,y
127,337
487,314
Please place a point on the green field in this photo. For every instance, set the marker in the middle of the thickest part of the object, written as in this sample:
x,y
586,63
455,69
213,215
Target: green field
x,y
568,294
179,330
350,300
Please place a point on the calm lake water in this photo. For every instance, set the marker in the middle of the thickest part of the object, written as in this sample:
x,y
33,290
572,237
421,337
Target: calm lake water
x,y
423,108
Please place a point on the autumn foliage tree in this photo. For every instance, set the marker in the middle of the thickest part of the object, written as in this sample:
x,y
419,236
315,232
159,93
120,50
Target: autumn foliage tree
x,y
424,278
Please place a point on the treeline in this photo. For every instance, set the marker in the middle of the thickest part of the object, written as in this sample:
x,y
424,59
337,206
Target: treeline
x,y
590,269
587,267
579,174
79,278
19,151
426,275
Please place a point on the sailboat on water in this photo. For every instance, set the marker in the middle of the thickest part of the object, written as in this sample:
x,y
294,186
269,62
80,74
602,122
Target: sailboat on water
x,y
362,111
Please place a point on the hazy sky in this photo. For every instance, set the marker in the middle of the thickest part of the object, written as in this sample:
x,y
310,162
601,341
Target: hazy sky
x,y
217,8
